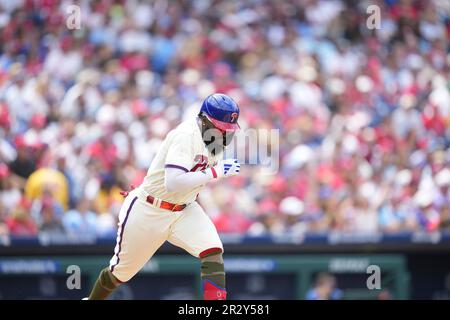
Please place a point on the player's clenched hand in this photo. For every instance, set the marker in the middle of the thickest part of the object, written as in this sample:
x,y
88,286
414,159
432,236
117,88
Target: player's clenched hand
x,y
226,168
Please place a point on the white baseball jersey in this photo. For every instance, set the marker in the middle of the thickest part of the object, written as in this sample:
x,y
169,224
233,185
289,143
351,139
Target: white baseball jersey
x,y
184,149
143,228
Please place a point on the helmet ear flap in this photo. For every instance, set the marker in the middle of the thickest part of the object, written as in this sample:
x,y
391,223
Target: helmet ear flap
x,y
206,123
202,115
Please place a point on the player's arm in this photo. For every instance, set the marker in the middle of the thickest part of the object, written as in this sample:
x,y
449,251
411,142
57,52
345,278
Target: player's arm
x,y
177,179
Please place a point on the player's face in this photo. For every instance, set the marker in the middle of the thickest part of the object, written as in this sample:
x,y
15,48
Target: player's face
x,y
215,139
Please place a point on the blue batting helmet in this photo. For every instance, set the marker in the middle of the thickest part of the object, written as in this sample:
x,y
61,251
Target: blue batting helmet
x,y
222,111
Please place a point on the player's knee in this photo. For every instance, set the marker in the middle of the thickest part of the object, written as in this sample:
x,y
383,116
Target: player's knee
x,y
108,280
217,257
210,252
212,257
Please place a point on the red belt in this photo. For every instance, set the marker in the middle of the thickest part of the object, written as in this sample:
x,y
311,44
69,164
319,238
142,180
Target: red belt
x,y
167,205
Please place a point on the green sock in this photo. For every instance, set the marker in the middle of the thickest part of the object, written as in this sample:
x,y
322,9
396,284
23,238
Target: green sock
x,y
212,269
104,286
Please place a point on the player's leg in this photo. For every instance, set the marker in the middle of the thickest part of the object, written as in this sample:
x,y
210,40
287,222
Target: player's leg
x,y
142,230
195,233
105,284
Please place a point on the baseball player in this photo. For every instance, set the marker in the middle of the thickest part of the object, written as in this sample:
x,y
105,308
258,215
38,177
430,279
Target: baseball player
x,y
164,207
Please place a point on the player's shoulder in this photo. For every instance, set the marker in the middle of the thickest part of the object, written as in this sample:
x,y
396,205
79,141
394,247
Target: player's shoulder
x,y
186,131
185,128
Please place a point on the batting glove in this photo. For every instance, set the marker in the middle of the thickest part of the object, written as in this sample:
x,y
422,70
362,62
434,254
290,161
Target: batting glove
x,y
226,168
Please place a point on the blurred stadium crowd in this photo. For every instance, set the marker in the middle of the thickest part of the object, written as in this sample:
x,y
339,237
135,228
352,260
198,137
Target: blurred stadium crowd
x,y
364,115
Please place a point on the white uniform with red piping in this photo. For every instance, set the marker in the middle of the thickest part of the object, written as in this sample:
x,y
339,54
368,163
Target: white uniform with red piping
x,y
144,227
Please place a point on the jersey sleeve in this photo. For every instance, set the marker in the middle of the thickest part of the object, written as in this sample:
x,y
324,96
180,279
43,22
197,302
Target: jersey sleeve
x,y
180,153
